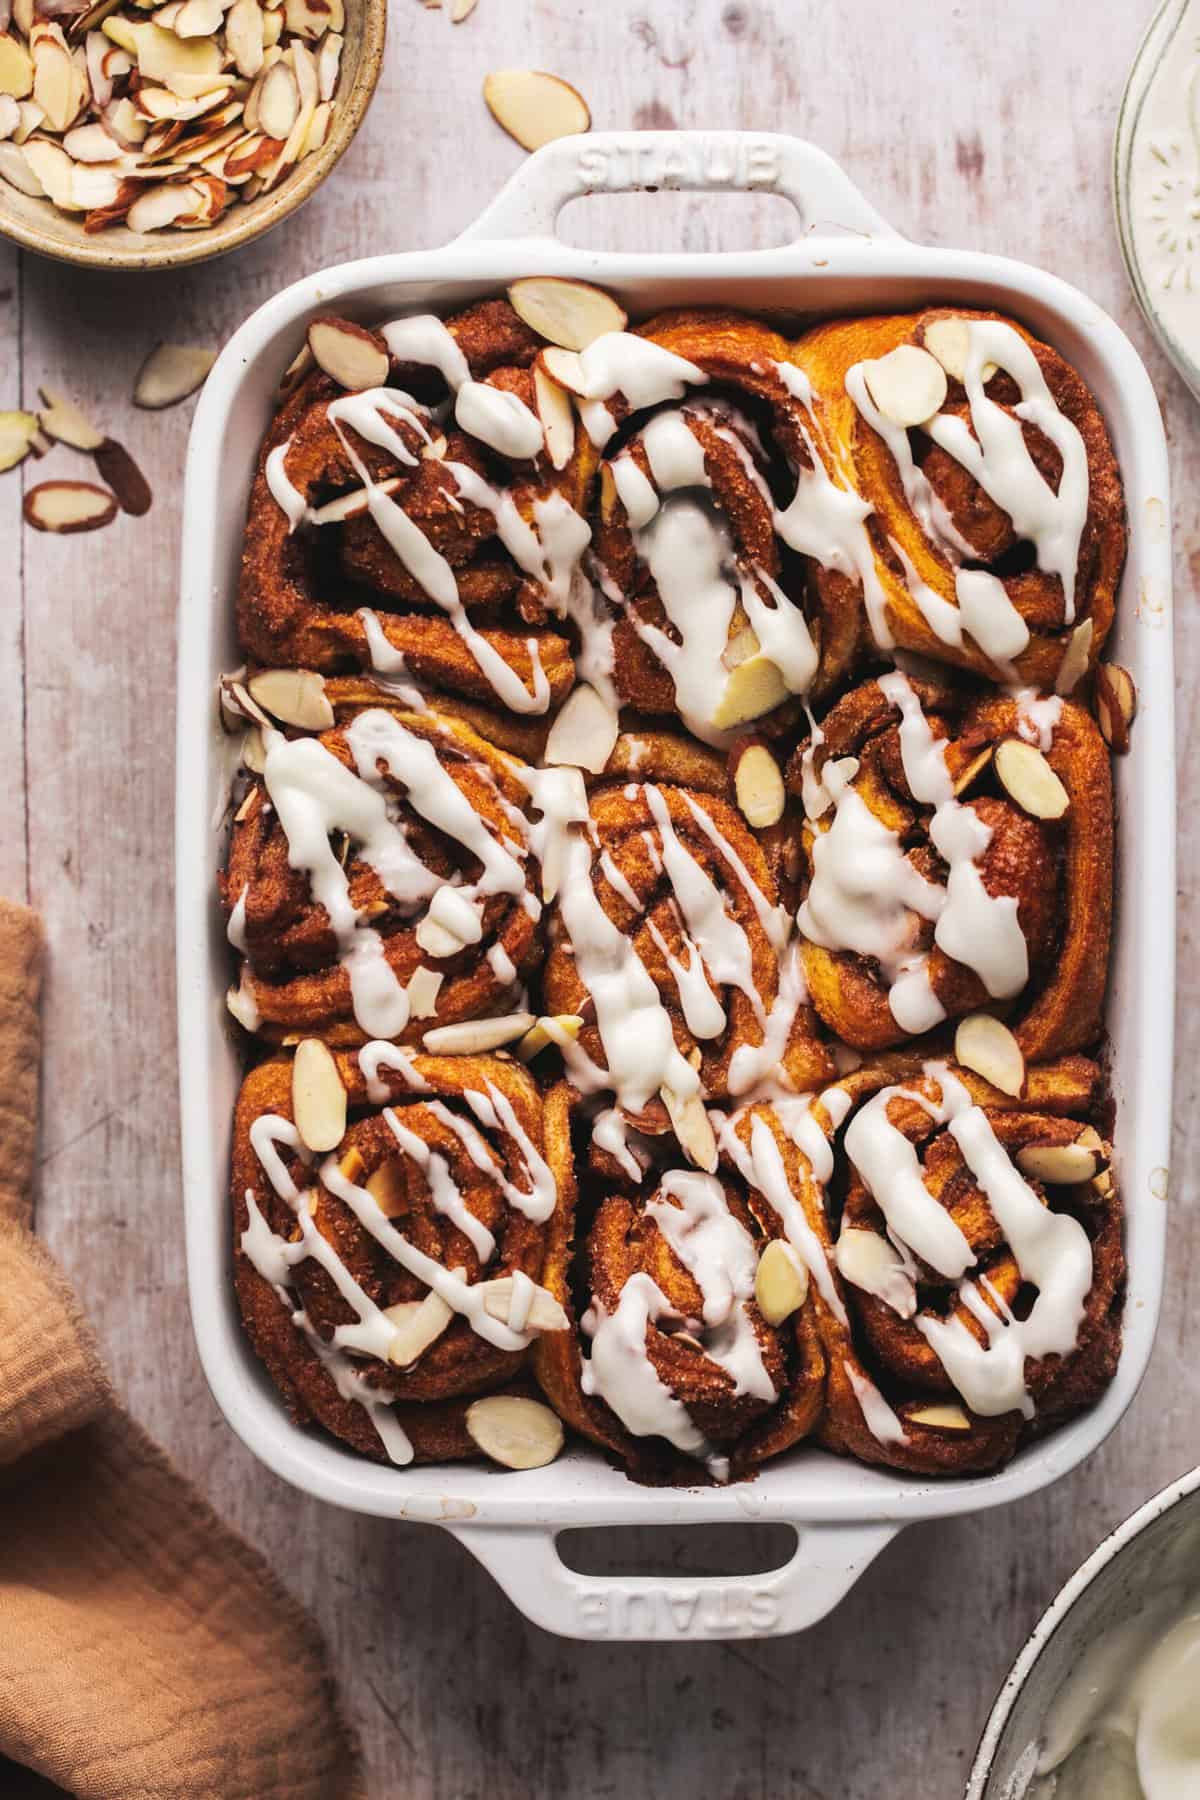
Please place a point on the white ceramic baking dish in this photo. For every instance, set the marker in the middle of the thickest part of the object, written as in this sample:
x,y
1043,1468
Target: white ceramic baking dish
x,y
846,259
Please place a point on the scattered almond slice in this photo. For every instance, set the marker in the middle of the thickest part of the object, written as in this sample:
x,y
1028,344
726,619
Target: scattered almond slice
x,y
197,18
565,367
318,1096
780,1283
1027,778
938,1418
435,940
967,776
295,696
516,1433
1060,1165
16,67
547,1031
571,314
534,107
32,117
422,988
757,783
354,357
123,476
871,1262
691,1125
949,340
754,687
908,385
10,116
64,506
329,58
544,1314
474,1037
461,9
244,37
307,20
352,505
418,1323
278,102
1076,658
159,207
237,703
91,144
62,420
53,168
171,373
986,1046
254,751
1115,702
17,432
59,86
583,734
557,416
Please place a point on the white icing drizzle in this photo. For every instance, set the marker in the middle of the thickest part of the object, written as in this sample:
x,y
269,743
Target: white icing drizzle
x,y
992,449
865,891
878,1416
930,512
620,1372
388,663
284,492
235,931
1051,1249
499,419
644,373
375,1056
424,339
1037,715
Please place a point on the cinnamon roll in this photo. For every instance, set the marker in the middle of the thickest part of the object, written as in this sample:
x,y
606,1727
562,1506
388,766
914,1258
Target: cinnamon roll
x,y
995,505
380,881
959,855
981,1259
391,1273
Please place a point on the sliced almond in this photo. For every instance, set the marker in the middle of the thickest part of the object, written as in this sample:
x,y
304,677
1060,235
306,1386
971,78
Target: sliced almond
x,y
10,116
244,37
17,432
907,385
59,87
950,341
1076,658
418,1323
16,67
15,169
170,373
91,144
565,367
780,1283
691,1125
983,1044
318,127
53,168
68,506
474,1037
1027,778
329,59
583,734
422,989
516,1433
93,187
544,1314
435,940
318,1097
548,1030
159,207
571,314
1115,701
197,19
240,1003
237,704
354,357
352,505
1060,1165
869,1261
938,1418
557,416
163,57
534,107
123,476
278,101
272,28
62,420
31,120
461,9
757,784
307,20
387,1187
754,687
296,696
123,121
254,751
968,776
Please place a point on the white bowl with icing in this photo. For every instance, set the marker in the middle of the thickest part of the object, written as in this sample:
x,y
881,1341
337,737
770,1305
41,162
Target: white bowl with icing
x,y
1104,1701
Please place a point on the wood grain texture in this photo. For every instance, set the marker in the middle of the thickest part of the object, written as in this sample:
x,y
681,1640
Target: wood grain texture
x,y
967,125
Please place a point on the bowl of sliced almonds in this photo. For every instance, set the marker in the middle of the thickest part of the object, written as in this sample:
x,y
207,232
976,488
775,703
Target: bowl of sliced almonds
x,y
137,136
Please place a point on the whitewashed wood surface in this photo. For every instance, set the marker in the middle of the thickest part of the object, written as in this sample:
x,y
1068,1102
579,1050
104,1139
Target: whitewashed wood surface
x,y
968,124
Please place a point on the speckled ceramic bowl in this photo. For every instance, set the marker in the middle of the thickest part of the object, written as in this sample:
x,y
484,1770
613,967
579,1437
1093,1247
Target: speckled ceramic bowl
x,y
38,225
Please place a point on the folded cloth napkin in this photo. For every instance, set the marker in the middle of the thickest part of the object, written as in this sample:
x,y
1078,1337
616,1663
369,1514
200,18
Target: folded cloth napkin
x,y
146,1653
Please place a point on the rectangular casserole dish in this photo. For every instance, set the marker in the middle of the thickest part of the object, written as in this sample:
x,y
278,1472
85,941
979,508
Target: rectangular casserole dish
x,y
847,259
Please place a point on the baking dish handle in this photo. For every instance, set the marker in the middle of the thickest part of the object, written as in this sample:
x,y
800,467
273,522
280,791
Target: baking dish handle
x,y
623,162
524,1560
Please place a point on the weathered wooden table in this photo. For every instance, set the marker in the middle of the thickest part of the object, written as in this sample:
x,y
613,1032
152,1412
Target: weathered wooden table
x,y
967,125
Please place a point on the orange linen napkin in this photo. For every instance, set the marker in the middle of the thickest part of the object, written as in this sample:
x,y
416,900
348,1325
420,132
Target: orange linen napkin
x,y
146,1653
